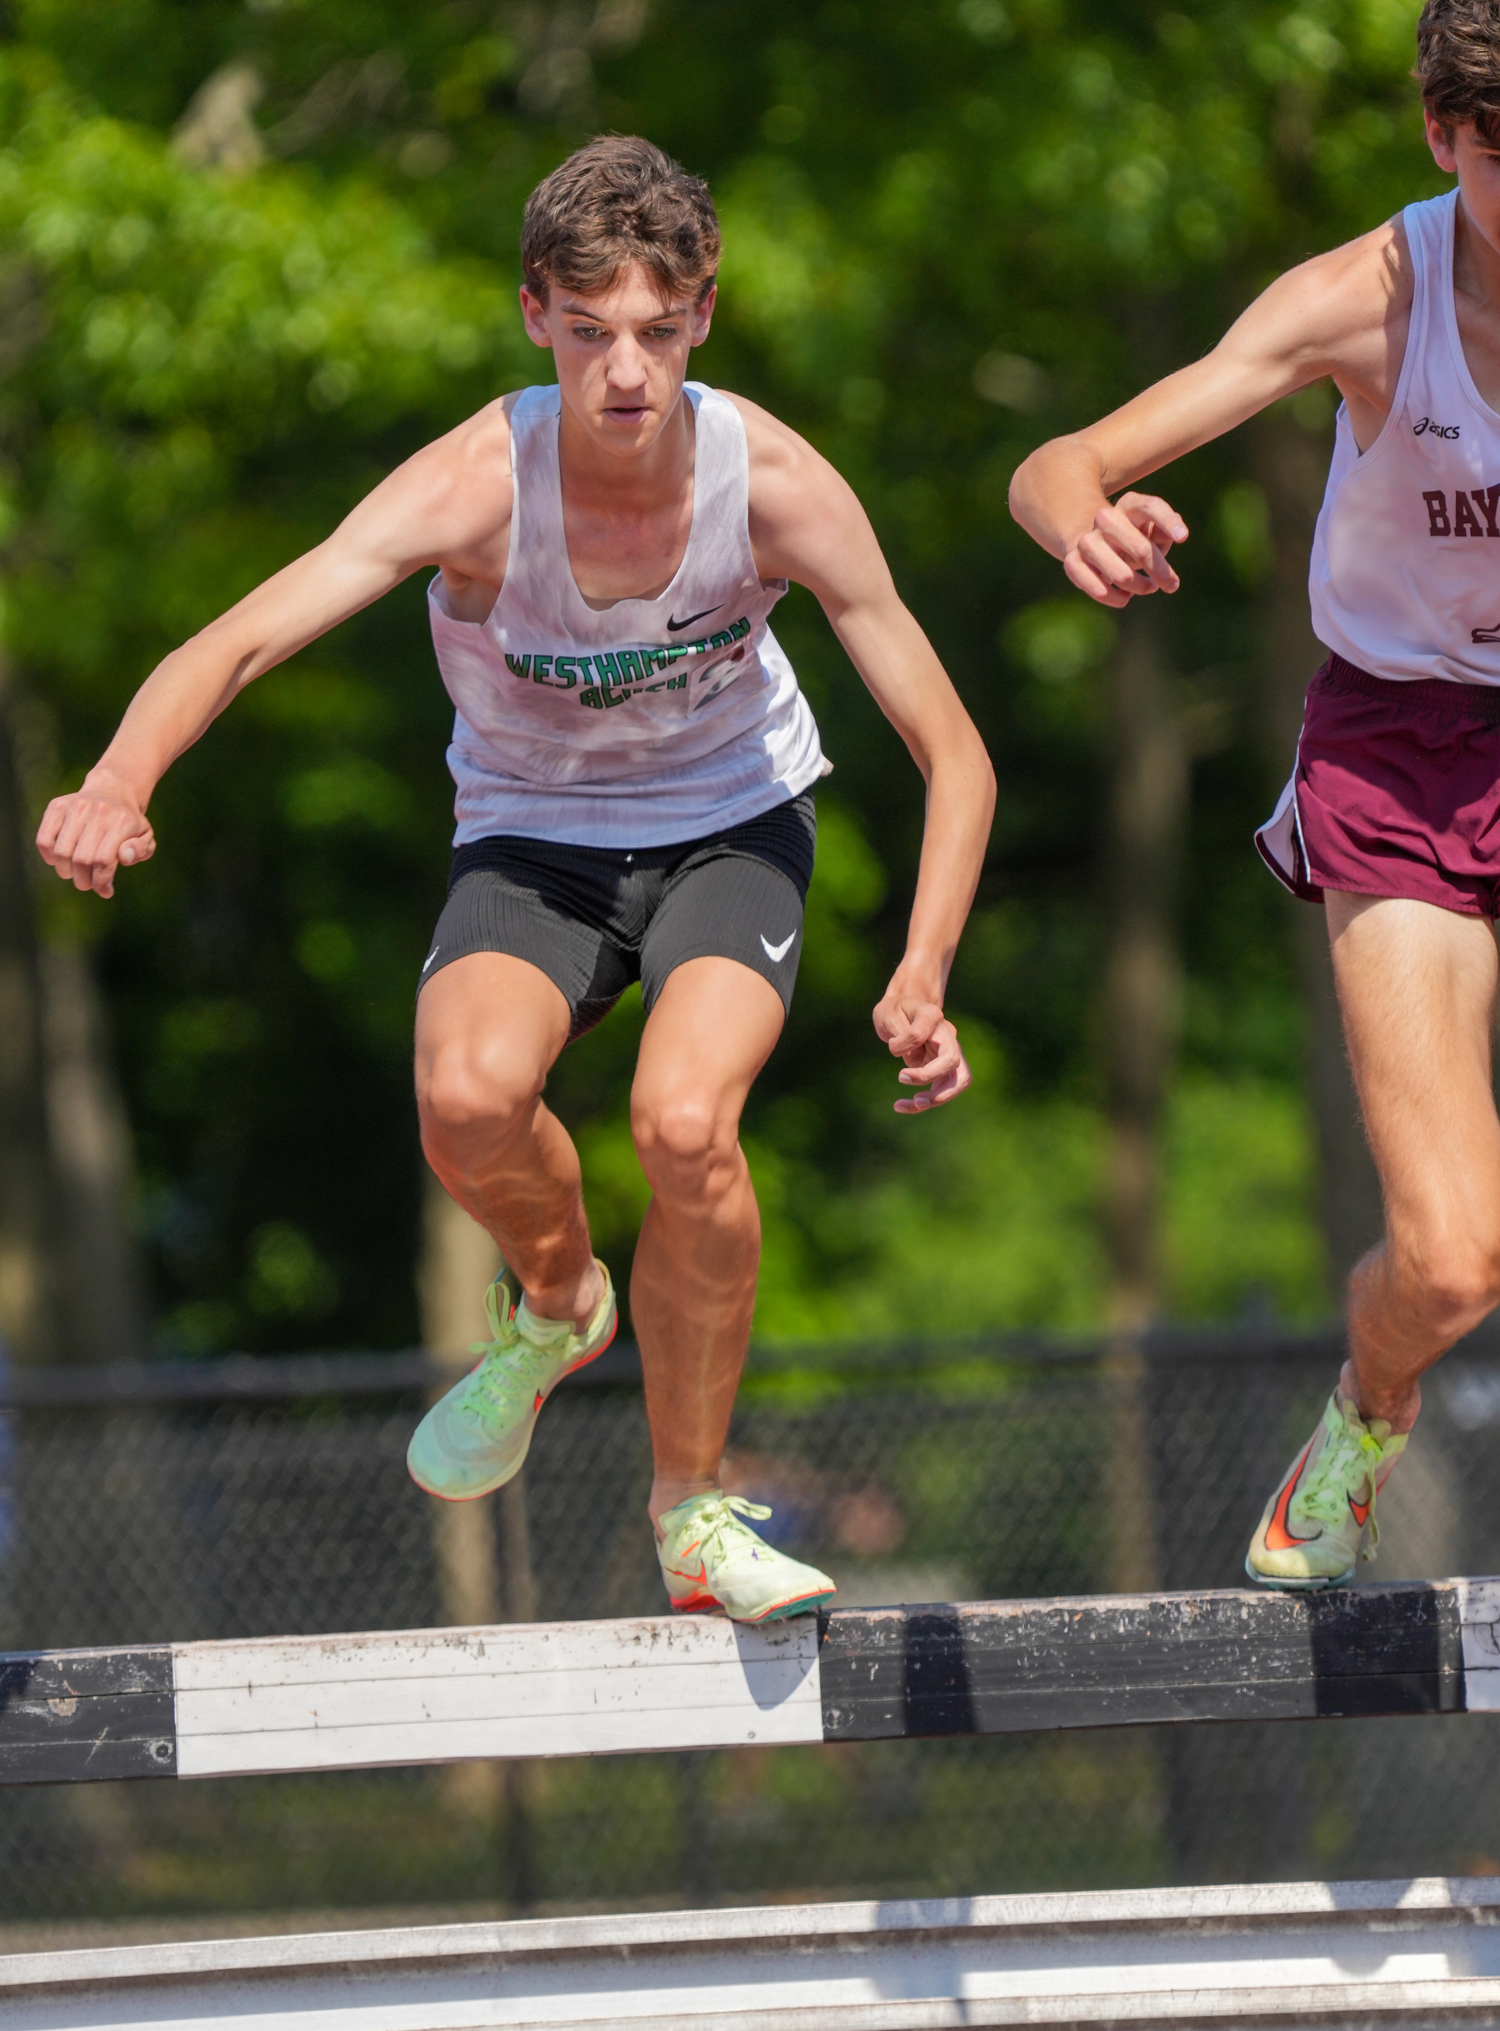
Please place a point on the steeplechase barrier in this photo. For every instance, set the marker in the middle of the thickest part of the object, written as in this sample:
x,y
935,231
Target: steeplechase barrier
x,y
1334,1955
853,1675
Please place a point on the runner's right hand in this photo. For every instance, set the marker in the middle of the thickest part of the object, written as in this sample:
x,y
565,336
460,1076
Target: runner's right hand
x,y
1122,555
89,834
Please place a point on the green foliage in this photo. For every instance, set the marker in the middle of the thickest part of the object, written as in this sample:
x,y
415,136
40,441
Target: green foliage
x,y
1240,1218
950,232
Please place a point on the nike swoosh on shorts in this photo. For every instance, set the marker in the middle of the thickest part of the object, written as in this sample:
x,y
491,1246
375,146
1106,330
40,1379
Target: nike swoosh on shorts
x,y
777,952
434,953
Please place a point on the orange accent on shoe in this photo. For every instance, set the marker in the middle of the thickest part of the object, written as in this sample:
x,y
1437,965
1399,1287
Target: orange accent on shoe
x,y
780,1607
695,1604
603,1347
1278,1537
1360,1511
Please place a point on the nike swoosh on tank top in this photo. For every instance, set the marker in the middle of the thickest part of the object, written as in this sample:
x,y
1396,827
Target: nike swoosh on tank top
x,y
617,728
1405,576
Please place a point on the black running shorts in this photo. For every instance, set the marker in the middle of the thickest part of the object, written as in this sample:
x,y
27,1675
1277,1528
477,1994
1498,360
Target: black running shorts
x,y
594,919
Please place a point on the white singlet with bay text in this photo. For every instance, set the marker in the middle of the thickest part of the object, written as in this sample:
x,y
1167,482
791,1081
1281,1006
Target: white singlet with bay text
x,y
1404,582
650,722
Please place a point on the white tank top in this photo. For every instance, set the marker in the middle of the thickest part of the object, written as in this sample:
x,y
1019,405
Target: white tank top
x,y
1403,581
652,722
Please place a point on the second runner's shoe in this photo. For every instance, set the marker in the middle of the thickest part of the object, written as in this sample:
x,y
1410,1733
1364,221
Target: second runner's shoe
x,y
476,1437
711,1559
1309,1536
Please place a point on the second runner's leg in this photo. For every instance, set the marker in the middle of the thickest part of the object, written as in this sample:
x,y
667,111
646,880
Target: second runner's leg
x,y
1416,986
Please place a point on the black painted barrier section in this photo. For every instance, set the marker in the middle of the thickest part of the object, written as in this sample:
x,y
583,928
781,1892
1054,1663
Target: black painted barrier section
x,y
999,1668
979,1668
71,1715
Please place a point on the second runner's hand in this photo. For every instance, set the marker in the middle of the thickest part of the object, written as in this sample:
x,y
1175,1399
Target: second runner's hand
x,y
1122,555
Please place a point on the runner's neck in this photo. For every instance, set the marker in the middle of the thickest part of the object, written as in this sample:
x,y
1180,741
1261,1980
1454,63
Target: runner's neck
x,y
627,518
606,481
1476,301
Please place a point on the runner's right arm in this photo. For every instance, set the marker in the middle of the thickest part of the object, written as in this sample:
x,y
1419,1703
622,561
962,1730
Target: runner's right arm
x,y
1343,314
424,513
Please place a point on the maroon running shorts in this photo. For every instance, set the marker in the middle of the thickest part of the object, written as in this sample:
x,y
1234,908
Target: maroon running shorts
x,y
1396,792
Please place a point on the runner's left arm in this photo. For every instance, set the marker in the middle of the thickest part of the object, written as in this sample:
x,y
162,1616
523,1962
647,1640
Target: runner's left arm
x,y
421,514
806,524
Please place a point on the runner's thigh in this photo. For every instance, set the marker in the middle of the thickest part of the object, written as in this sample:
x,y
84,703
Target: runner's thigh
x,y
712,1028
489,1029
549,907
738,896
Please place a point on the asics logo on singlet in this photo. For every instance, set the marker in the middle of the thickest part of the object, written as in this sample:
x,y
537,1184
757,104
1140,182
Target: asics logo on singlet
x,y
1427,428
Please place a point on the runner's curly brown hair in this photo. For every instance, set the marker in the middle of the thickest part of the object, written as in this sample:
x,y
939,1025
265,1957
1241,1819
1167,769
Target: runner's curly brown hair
x,y
1458,65
617,201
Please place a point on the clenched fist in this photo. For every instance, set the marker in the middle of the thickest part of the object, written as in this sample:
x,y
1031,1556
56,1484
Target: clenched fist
x,y
89,834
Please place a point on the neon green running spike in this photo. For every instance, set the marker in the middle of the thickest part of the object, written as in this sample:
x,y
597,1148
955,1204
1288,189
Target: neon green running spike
x,y
1310,1533
711,1559
476,1438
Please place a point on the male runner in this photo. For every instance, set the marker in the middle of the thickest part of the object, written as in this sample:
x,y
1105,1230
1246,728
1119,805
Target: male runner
x,y
634,766
1392,815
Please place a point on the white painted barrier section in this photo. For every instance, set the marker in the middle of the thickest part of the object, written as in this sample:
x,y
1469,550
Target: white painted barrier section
x,y
1479,1619
1347,1954
523,1689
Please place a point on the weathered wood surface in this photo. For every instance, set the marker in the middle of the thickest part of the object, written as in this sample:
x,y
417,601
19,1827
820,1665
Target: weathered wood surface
x,y
77,1714
559,1689
589,1688
999,1667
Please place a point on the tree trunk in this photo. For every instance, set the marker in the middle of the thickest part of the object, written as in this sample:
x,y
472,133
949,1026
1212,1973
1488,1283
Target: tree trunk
x,y
101,1305
458,1260
1142,1017
484,1576
1291,464
1142,971
30,1283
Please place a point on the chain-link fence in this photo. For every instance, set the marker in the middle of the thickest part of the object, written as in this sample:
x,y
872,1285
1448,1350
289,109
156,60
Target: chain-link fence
x,y
271,1498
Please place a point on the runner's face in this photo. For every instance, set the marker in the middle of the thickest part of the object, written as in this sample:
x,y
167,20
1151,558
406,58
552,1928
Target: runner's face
x,y
1477,166
621,356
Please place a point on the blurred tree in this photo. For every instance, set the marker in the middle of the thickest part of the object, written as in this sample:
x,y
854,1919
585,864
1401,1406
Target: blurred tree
x,y
228,364
30,1293
946,231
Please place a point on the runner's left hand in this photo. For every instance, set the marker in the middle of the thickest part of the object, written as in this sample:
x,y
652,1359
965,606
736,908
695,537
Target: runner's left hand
x,y
917,1032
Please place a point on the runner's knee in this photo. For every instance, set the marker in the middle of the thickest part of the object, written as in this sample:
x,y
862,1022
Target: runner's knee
x,y
1458,1278
464,1093
685,1140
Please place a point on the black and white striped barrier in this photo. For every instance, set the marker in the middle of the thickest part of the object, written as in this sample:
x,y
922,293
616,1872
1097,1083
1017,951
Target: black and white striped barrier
x,y
1335,1955
854,1675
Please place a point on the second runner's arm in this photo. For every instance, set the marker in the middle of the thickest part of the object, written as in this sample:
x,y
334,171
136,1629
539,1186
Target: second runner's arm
x,y
1343,313
807,524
